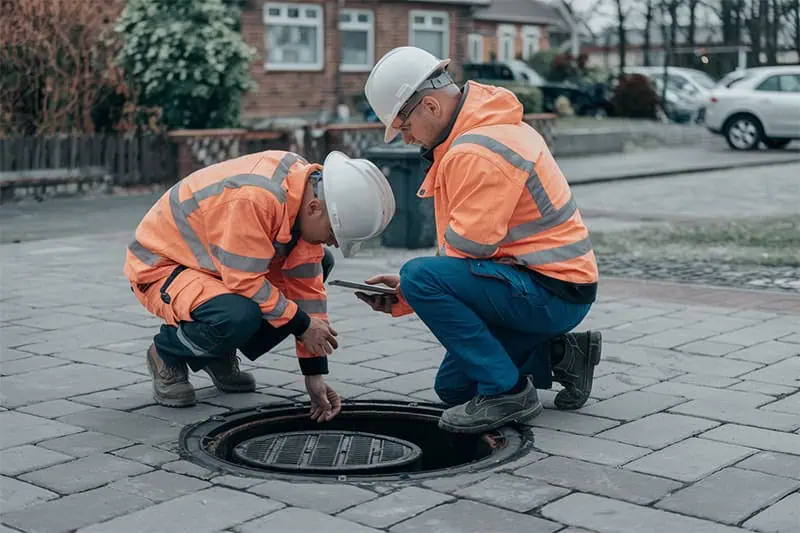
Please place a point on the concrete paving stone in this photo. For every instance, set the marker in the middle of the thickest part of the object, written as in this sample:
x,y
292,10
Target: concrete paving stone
x,y
602,480
658,430
766,353
284,363
572,422
10,354
327,498
704,380
54,408
450,484
408,361
781,517
512,466
17,311
393,508
737,414
394,346
86,443
136,347
754,314
612,516
722,324
790,404
730,495
244,400
206,511
710,348
56,320
196,413
632,405
75,511
690,460
159,486
512,492
612,385
302,521
465,516
148,455
14,336
29,364
678,361
287,393
793,338
427,395
673,337
379,395
762,439
771,389
654,324
786,372
621,335
765,331
353,355
407,383
698,392
16,494
29,429
61,382
356,374
84,336
86,473
14,461
189,469
779,464
274,378
4,529
587,448
104,358
236,482
345,390
122,398
132,426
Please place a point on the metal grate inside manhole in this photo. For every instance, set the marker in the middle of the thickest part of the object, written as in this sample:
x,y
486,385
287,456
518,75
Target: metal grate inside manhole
x,y
327,451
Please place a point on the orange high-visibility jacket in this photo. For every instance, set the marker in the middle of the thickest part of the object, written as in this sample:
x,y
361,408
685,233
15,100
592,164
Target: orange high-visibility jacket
x,y
233,220
499,194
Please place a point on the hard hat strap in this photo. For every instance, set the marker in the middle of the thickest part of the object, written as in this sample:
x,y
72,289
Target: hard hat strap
x,y
316,185
437,81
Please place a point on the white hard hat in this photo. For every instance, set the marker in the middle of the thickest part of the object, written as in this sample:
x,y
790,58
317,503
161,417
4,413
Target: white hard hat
x,y
359,200
397,76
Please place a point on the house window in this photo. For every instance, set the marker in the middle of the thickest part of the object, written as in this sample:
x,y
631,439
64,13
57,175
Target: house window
x,y
475,42
531,36
430,30
295,36
505,42
357,31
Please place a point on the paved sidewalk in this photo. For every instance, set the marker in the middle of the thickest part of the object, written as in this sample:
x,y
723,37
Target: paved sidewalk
x,y
694,423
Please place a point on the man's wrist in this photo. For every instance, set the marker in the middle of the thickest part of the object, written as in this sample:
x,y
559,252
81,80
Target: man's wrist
x,y
299,323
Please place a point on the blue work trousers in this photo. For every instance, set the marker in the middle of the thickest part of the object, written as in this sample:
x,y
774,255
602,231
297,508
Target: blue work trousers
x,y
494,320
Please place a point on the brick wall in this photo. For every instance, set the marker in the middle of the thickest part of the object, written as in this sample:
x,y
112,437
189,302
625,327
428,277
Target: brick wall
x,y
291,94
491,43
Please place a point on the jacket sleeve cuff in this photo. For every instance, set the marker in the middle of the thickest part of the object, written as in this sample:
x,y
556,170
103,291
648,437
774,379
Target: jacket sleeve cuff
x,y
313,366
299,323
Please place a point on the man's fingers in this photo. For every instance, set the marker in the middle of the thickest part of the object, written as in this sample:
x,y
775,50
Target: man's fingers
x,y
333,342
333,331
374,280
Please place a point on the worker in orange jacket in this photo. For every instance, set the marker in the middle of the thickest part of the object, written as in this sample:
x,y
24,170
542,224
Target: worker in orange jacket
x,y
515,271
231,257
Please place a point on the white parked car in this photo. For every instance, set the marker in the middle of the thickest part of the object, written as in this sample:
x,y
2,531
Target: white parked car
x,y
763,106
688,89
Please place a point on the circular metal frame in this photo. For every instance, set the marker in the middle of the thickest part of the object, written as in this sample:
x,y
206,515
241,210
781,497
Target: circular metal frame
x,y
204,442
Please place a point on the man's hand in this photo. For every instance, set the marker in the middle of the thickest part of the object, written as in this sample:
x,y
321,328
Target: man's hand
x,y
325,403
382,302
319,338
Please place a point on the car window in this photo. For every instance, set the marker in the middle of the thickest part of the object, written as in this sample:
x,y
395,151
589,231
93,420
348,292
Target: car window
x,y
770,84
790,83
704,81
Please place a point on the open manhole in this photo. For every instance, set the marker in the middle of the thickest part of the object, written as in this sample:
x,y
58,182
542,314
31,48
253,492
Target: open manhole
x,y
367,442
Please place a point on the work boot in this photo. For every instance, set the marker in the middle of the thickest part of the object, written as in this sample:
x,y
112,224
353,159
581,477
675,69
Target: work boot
x,y
575,371
227,377
485,413
171,385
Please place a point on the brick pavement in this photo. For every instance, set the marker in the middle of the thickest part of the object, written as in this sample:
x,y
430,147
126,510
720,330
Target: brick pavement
x,y
694,424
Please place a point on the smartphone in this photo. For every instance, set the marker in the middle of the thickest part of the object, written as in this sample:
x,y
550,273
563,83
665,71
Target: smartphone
x,y
375,289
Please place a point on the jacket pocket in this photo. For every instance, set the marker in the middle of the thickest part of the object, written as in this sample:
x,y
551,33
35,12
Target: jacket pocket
x,y
520,283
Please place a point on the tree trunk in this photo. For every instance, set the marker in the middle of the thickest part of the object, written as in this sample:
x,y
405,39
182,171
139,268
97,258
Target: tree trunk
x,y
648,25
691,37
621,37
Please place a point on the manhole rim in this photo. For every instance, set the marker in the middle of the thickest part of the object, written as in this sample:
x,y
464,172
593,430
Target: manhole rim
x,y
520,443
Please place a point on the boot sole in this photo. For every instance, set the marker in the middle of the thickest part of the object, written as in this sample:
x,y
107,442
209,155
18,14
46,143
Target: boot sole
x,y
161,400
226,388
519,417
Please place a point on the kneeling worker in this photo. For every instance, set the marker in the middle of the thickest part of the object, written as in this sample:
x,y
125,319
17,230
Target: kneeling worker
x,y
515,271
232,257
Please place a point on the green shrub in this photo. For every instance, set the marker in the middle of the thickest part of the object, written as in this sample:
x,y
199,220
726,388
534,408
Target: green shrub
x,y
187,57
635,97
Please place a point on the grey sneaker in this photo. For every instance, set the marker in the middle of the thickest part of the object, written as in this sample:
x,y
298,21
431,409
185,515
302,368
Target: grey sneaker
x,y
483,413
576,369
227,377
171,385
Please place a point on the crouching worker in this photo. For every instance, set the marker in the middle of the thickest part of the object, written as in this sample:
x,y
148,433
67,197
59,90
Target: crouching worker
x,y
515,270
232,257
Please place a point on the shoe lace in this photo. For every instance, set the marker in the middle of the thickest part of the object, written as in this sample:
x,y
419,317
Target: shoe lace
x,y
173,373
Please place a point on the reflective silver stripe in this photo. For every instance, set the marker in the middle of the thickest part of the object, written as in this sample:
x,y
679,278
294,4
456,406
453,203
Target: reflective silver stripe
x,y
462,244
284,166
278,310
192,347
535,187
263,294
558,254
233,182
313,306
307,270
244,263
143,254
497,147
552,220
188,234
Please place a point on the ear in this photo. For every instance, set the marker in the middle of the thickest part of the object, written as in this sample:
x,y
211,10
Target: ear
x,y
314,207
432,105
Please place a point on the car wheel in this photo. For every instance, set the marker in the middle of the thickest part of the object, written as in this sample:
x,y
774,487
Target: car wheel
x,y
777,144
743,132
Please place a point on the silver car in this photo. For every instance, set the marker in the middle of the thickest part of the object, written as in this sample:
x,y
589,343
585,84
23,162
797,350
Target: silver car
x,y
762,106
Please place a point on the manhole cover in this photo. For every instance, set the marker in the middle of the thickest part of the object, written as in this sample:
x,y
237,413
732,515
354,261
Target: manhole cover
x,y
327,452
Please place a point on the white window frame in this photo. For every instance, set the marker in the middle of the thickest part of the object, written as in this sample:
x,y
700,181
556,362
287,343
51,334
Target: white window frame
x,y
475,40
428,25
531,34
505,33
355,25
283,19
